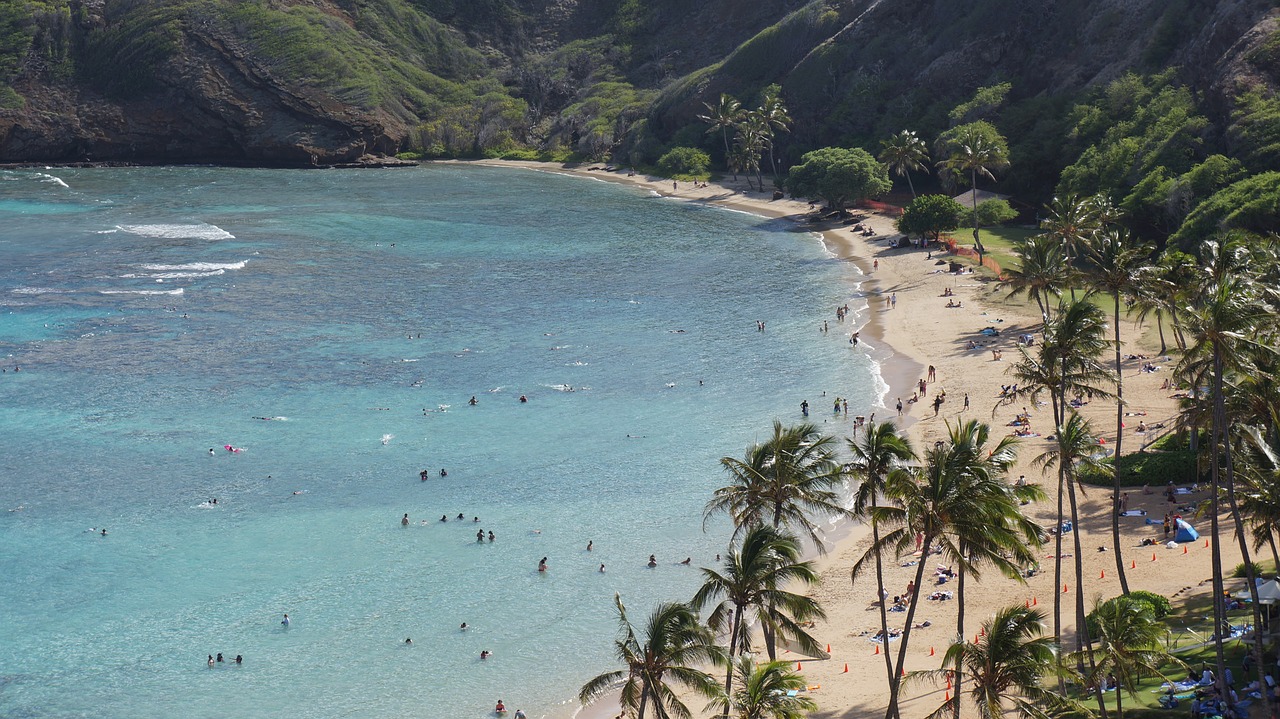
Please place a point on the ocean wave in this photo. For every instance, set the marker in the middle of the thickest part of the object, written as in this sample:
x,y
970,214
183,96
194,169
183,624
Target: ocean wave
x,y
39,291
202,231
141,292
172,275
44,177
197,266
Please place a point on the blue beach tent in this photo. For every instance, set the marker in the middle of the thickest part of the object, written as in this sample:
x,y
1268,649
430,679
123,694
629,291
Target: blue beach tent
x,y
1186,532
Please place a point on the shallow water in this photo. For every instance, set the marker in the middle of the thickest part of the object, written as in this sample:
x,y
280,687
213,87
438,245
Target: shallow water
x,y
157,313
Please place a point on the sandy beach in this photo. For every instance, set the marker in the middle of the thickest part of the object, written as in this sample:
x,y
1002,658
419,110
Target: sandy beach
x,y
916,331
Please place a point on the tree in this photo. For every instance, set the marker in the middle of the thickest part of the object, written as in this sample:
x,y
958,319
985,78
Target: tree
x,y
903,153
1042,272
684,162
877,454
782,482
1115,263
774,114
722,116
674,645
839,176
1128,645
1072,220
930,216
995,212
959,504
969,151
1251,204
768,690
753,582
1007,663
753,135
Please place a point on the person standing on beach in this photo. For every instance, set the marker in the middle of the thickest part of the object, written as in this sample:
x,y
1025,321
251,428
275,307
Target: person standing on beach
x,y
966,400
932,376
899,406
893,300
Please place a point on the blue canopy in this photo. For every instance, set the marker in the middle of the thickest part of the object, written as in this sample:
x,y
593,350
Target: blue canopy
x,y
1186,532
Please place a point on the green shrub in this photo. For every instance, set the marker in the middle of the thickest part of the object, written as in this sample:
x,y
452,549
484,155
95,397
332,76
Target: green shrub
x,y
1168,460
1240,571
684,162
995,212
1159,603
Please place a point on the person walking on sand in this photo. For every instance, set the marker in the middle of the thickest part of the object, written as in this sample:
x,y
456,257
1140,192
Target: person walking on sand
x,y
893,300
966,400
932,377
899,406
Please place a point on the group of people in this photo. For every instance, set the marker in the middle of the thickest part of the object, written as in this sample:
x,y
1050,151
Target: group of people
x,y
215,662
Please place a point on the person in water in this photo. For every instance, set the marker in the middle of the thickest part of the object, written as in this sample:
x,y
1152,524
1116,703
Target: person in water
x,y
220,658
480,536
602,569
463,627
460,516
523,399
443,473
211,661
491,537
472,401
408,641
500,708
404,521
653,562
443,518
589,545
239,659
542,564
285,621
484,654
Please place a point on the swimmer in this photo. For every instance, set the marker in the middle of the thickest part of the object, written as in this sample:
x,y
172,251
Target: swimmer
x,y
500,708
239,659
443,518
296,493
460,516
520,714
523,399
484,654
220,658
653,562
104,532
211,451
491,537
404,521
475,519
687,560
602,569
473,402
480,536
589,545
542,564
211,661
408,641
463,627
424,474
285,622
443,473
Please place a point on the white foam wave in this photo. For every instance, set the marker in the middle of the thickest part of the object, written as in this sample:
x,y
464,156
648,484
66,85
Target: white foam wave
x,y
198,266
39,291
174,275
141,292
43,177
107,232
202,231
386,439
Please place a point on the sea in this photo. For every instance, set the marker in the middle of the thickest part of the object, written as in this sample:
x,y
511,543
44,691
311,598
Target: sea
x,y
301,347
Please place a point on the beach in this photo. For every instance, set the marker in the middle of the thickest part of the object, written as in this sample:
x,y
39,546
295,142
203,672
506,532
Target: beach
x,y
917,331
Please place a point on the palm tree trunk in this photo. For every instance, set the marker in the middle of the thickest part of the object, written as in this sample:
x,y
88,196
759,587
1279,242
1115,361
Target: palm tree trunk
x,y
910,184
1119,706
773,163
884,614
1057,547
977,244
644,700
1215,442
895,682
1163,347
1115,498
959,670
724,135
733,644
1275,555
1083,641
1250,579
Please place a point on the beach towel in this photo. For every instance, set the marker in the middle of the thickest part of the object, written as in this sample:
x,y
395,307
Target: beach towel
x,y
1134,513
1153,521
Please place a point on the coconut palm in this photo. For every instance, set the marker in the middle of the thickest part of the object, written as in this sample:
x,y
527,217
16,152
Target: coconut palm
x,y
1128,645
783,482
1065,365
723,116
960,505
1007,663
975,150
753,582
1072,220
904,152
1115,263
877,453
774,114
754,136
768,690
1042,271
675,643
1232,311
1259,488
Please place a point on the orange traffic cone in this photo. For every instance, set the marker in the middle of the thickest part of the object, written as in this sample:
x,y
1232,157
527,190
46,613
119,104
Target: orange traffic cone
x,y
904,673
1026,603
798,667
846,668
828,649
930,651
1184,549
948,697
1102,574
1206,544
1064,589
1034,601
948,680
877,650
1133,564
1153,556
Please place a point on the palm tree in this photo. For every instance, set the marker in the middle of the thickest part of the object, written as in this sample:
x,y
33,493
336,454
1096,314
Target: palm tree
x,y
973,152
1115,264
1008,662
904,152
1042,271
774,113
1233,310
783,482
1129,645
880,452
767,691
959,503
675,643
754,135
1260,489
1072,220
722,116
1064,365
754,579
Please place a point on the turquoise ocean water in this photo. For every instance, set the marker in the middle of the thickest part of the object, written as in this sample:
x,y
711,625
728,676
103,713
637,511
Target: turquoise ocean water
x,y
158,312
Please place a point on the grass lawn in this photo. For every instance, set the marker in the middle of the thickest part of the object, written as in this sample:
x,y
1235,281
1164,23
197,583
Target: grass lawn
x,y
999,241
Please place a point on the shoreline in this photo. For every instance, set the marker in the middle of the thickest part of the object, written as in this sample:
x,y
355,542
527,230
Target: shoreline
x,y
906,338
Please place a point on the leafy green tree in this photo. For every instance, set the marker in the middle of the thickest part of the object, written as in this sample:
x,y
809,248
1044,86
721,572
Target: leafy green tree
x,y
782,482
983,103
839,176
903,153
773,112
995,212
753,583
877,453
930,216
969,151
668,655
768,690
684,162
1007,664
1129,645
723,116
1251,204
